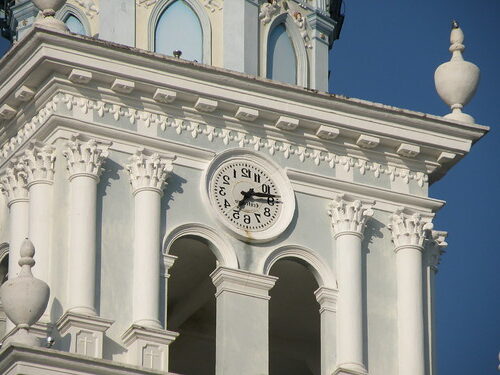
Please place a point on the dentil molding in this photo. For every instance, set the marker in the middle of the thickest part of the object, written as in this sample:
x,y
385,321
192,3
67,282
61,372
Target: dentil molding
x,y
197,130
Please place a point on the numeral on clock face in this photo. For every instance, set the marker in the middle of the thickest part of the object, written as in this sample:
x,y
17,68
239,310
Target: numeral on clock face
x,y
246,195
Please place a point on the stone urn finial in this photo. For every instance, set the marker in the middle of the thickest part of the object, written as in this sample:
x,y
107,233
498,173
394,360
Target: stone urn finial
x,y
24,298
49,9
456,80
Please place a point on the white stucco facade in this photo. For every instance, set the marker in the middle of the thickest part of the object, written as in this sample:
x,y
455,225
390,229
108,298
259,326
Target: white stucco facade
x,y
104,156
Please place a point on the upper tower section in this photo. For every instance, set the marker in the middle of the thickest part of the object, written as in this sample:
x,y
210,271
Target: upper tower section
x,y
284,40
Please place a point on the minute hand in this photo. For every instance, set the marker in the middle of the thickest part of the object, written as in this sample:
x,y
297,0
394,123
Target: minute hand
x,y
266,195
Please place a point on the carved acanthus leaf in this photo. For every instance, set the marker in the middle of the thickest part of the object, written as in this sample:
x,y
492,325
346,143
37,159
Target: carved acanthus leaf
x,y
85,156
38,162
435,248
89,7
149,171
347,216
13,182
409,230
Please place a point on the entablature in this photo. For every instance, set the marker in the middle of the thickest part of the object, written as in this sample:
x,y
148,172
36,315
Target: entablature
x,y
144,86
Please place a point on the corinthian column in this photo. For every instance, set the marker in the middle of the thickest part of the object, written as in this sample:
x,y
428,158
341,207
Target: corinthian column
x,y
146,342
408,234
148,174
14,187
38,163
348,223
84,165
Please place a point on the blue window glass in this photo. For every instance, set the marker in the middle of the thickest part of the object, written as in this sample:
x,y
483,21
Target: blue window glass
x,y
281,58
179,28
75,25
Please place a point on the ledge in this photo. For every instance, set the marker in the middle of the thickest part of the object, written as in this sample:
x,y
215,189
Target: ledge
x,y
18,359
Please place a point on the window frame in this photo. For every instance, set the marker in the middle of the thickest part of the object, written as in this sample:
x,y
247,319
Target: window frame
x,y
203,18
297,43
71,10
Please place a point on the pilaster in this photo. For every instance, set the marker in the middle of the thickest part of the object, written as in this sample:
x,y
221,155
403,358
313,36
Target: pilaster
x,y
348,219
84,157
240,36
148,174
408,234
322,31
242,321
327,299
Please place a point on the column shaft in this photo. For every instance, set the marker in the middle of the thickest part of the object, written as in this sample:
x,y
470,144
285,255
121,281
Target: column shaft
x,y
18,231
410,311
82,250
350,312
40,209
147,258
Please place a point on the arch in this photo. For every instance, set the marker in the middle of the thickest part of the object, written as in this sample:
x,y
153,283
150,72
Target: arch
x,y
322,273
199,11
69,10
221,248
298,45
4,250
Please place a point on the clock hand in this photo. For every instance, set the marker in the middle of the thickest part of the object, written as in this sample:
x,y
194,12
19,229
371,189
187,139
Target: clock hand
x,y
246,196
265,195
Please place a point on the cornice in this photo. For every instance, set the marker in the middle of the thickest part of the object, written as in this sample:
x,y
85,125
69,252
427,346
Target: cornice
x,y
273,144
440,142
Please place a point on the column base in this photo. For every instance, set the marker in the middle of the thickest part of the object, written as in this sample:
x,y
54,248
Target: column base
x,y
86,332
350,369
148,347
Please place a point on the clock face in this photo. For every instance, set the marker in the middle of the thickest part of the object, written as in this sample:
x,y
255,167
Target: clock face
x,y
249,195
246,195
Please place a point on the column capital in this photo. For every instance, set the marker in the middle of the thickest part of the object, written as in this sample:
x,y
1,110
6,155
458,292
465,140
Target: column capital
x,y
14,183
38,163
85,156
409,230
242,282
149,171
435,248
327,299
349,217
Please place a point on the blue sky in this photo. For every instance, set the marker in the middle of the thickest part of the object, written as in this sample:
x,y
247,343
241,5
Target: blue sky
x,y
387,52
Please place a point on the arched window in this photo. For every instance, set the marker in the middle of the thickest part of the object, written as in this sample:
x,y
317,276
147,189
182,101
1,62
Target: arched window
x,y
281,57
179,28
75,25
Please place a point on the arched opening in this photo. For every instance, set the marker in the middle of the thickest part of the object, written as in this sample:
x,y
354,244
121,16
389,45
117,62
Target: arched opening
x,y
179,28
191,307
4,272
75,25
294,321
281,56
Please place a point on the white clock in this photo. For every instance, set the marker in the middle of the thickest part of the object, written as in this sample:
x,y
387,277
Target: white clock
x,y
249,194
